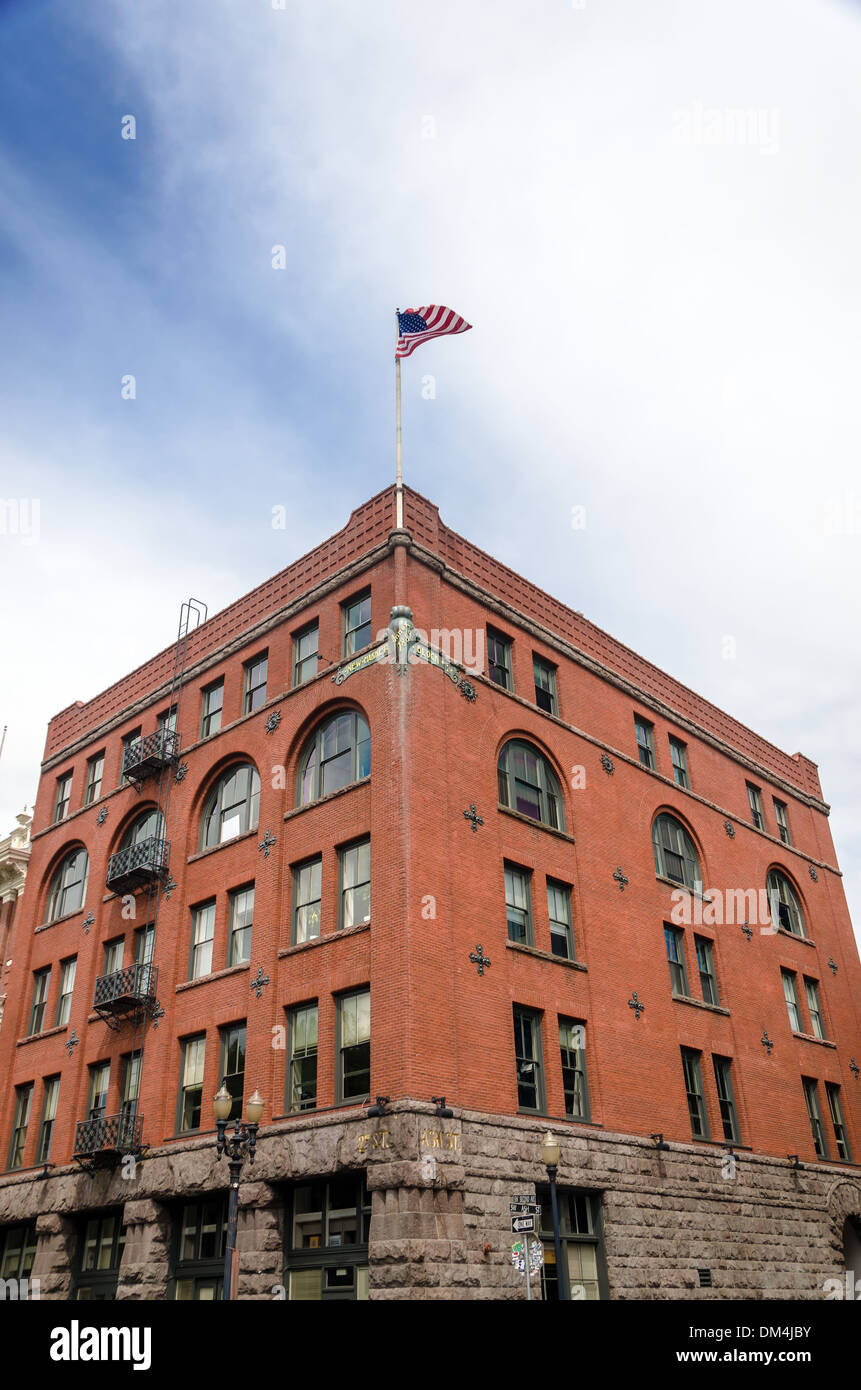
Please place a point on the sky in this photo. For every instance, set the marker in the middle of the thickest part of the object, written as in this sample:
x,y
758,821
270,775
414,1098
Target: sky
x,y
651,215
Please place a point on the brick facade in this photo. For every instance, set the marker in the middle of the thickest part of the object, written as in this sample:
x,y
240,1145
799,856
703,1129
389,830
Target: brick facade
x,y
439,1027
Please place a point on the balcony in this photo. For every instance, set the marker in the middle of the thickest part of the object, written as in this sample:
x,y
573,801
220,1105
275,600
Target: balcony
x,y
126,993
106,1138
147,756
138,866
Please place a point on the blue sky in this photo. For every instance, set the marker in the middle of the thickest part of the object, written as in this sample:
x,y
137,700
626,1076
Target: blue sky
x,y
650,214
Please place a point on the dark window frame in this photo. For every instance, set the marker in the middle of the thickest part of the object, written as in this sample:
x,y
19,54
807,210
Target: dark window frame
x,y
354,639
252,700
304,1105
500,645
531,1019
517,873
726,1098
93,784
695,1091
545,695
211,715
185,1044
364,841
300,661
355,1097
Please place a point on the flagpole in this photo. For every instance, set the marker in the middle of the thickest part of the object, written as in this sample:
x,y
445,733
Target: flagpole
x,y
399,477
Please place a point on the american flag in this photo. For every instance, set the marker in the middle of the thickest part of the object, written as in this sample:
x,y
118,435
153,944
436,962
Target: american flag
x,y
417,326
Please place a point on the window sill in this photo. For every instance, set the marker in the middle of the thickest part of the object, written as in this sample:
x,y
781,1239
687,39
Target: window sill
x,y
781,931
323,800
67,917
536,824
46,1033
700,1004
322,939
544,955
225,844
809,1037
215,975
683,888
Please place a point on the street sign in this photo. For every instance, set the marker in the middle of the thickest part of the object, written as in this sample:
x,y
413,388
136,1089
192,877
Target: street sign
x,y
524,1208
527,1197
523,1225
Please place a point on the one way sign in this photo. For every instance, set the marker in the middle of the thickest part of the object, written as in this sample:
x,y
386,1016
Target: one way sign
x,y
523,1225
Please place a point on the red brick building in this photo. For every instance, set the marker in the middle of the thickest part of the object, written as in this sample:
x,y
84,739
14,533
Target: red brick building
x,y
410,828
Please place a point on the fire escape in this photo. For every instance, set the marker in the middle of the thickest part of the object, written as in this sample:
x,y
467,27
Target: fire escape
x,y
128,998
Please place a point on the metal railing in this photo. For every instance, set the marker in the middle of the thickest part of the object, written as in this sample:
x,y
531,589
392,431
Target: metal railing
x,y
139,863
132,982
112,1133
151,752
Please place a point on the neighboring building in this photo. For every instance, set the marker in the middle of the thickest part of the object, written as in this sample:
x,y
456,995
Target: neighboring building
x,y
375,873
14,857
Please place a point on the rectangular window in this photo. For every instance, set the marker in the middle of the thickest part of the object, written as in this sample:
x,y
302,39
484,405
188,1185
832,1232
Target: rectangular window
x,y
202,933
212,704
307,898
675,942
167,720
645,741
97,1095
101,1244
545,685
355,872
191,1083
706,965
240,921
559,912
305,653
144,942
232,1065
326,1255
302,1054
583,1271
782,821
131,1084
354,1046
499,659
95,772
64,793
791,997
357,623
841,1138
755,799
201,1239
726,1099
679,757
694,1090
811,1098
128,742
817,1022
114,951
256,672
572,1044
68,969
518,904
528,1059
17,1251
41,982
23,1101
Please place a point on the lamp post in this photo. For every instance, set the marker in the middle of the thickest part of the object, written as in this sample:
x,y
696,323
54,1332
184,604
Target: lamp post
x,y
551,1151
238,1146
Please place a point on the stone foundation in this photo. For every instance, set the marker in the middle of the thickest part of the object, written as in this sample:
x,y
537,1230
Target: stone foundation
x,y
440,1223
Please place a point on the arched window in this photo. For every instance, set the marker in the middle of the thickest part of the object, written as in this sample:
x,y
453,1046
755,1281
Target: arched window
x,y
147,826
675,852
69,885
528,784
232,806
337,753
783,903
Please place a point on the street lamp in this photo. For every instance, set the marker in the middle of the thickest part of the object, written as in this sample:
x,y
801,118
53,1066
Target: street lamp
x,y
551,1151
238,1146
